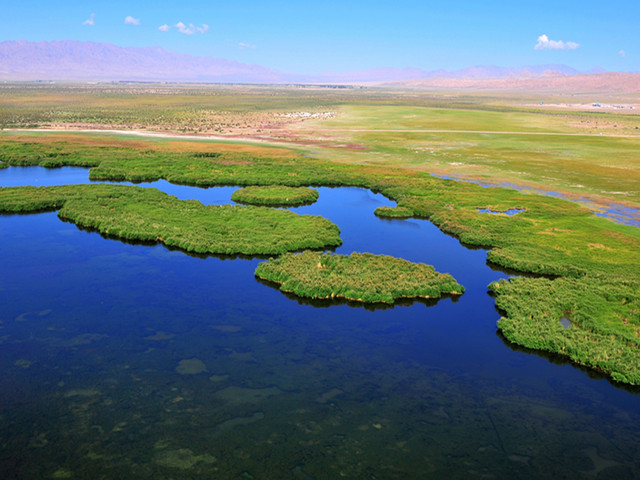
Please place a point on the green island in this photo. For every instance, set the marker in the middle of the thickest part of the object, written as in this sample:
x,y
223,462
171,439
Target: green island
x,y
275,196
392,144
393,212
148,215
361,277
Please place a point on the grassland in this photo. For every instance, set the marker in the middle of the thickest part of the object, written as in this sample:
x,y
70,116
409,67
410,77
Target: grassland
x,y
275,196
165,108
391,143
148,215
546,151
361,277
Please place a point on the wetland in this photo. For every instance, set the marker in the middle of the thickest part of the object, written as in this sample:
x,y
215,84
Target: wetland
x,y
548,236
138,342
134,360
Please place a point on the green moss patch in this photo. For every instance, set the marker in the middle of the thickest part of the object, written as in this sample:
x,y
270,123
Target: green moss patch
x,y
604,316
361,277
148,215
275,196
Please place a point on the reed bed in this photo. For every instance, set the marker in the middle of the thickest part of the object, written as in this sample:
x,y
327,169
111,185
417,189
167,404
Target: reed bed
x,y
275,196
361,277
148,215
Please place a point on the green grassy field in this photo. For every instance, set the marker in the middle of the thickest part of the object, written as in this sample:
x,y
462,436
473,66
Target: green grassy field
x,y
387,142
549,151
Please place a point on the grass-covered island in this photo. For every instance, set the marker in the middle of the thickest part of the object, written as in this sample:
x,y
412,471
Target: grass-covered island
x,y
393,212
361,277
149,215
275,196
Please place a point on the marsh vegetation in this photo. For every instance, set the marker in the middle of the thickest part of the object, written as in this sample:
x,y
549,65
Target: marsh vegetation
x,y
362,277
275,196
393,212
604,316
148,215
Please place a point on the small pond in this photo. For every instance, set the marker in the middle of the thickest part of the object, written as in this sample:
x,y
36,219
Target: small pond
x,y
132,361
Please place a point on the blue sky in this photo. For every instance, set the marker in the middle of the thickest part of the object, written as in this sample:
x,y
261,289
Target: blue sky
x,y
332,36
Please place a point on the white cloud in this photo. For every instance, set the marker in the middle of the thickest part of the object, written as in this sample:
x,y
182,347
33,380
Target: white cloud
x,y
191,28
129,20
182,28
622,53
91,21
164,28
246,45
544,43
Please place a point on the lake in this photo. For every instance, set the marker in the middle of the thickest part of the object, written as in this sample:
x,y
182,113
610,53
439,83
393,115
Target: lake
x,y
134,361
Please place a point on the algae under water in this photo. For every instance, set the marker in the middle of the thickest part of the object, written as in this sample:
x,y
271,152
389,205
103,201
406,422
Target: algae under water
x,y
94,331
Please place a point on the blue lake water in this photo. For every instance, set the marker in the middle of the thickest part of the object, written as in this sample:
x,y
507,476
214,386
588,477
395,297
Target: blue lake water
x,y
132,361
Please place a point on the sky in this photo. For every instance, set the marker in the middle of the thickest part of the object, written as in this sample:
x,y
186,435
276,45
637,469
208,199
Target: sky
x,y
339,36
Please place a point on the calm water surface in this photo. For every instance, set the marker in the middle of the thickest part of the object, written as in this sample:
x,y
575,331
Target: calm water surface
x,y
130,361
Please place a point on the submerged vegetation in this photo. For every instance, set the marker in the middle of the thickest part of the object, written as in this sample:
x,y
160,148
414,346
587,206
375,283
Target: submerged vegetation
x,y
148,215
549,236
361,277
275,196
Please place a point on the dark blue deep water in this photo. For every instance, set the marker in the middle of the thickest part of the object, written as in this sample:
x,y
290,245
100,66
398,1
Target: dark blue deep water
x,y
130,361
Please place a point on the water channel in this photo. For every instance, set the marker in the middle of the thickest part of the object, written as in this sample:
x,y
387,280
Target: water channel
x,y
135,361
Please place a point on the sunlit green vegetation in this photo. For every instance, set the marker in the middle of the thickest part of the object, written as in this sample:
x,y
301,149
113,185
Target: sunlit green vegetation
x,y
275,196
148,215
557,151
604,313
361,277
23,154
393,212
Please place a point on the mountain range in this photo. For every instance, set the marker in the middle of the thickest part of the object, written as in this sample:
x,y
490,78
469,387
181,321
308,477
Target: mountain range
x,y
90,61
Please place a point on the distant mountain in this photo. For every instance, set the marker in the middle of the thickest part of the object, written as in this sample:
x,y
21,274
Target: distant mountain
x,y
611,82
477,72
91,61
86,61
